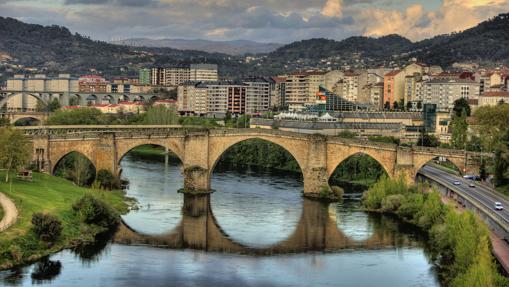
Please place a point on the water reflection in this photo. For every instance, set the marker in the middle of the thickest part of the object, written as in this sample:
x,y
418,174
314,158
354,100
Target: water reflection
x,y
316,230
154,185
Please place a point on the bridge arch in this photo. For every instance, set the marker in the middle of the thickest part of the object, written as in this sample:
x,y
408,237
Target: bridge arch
x,y
296,148
359,154
4,101
107,98
421,161
123,98
336,154
174,145
27,121
84,168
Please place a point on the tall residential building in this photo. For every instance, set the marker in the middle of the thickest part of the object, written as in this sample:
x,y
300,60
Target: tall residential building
x,y
301,89
217,98
144,76
443,92
258,93
236,99
192,98
277,98
174,76
203,73
394,82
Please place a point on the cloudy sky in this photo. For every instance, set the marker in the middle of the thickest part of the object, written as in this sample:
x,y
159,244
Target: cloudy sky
x,y
260,20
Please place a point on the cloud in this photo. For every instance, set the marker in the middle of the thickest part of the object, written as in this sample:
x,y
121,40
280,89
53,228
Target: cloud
x,y
333,8
260,20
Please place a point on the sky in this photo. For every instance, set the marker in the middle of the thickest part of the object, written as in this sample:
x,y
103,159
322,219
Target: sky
x,y
281,21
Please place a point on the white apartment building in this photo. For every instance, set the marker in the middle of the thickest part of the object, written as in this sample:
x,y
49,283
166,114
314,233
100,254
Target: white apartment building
x,y
192,98
217,98
301,89
443,92
257,96
203,73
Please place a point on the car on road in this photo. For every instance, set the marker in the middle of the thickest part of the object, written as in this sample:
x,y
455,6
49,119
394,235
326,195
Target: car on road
x,y
468,176
456,182
498,206
471,184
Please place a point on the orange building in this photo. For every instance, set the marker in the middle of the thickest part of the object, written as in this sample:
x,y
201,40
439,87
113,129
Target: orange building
x,y
390,87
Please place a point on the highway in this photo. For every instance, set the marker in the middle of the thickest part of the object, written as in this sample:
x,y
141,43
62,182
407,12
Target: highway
x,y
485,196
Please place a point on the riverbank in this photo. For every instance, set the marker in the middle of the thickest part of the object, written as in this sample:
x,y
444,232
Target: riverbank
x,y
460,241
52,195
9,213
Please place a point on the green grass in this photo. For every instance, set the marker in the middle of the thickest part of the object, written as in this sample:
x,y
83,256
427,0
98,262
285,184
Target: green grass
x,y
1,213
47,194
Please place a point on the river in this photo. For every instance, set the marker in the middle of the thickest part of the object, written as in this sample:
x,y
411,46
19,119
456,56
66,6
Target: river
x,y
254,230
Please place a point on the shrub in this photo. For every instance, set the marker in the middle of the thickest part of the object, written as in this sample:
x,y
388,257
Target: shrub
x,y
46,226
392,202
94,211
107,180
337,191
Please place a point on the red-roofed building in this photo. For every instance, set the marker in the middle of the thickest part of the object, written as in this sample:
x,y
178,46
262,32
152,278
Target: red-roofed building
x,y
493,98
92,84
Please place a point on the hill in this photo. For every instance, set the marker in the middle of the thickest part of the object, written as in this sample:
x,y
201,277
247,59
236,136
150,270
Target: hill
x,y
56,49
487,42
237,47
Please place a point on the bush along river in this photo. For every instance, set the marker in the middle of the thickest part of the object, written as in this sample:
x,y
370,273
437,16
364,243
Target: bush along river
x,y
256,229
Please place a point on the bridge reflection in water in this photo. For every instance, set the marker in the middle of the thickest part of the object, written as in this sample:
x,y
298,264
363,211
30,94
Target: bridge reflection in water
x,y
317,230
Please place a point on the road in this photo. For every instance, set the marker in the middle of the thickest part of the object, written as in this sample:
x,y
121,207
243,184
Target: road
x,y
484,195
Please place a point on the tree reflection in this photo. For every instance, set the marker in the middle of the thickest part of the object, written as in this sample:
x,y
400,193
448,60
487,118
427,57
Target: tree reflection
x,y
45,271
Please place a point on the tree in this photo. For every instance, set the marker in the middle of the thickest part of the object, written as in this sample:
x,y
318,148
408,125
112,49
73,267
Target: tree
x,y
459,128
491,122
482,171
461,105
419,105
408,106
387,106
395,105
428,140
160,115
15,150
52,106
502,161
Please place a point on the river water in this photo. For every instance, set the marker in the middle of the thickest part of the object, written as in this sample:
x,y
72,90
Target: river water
x,y
254,230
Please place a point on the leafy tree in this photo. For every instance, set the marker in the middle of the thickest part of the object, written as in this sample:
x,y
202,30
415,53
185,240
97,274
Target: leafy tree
x,y
395,105
347,134
106,179
482,170
459,128
461,105
502,161
387,106
52,106
15,150
428,140
408,106
491,122
419,105
81,116
160,115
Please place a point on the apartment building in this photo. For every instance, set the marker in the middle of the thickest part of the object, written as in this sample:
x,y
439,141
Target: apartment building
x,y
174,76
92,84
301,89
192,98
394,81
443,92
258,94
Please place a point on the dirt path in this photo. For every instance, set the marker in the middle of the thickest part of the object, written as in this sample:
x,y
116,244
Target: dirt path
x,y
10,212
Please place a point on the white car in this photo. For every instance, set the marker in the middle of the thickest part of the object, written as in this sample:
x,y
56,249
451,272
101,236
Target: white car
x,y
456,182
471,184
498,206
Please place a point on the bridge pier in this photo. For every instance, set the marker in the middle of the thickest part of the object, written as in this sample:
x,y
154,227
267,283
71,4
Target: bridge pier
x,y
316,179
196,165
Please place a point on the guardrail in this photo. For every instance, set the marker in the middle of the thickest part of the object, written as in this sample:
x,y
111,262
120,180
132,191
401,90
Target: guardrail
x,y
483,207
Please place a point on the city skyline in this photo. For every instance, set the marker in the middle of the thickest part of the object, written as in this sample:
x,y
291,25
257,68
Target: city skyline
x,y
258,20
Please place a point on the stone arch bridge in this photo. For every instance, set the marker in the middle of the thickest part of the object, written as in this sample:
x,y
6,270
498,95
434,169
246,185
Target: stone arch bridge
x,y
82,98
13,117
200,150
